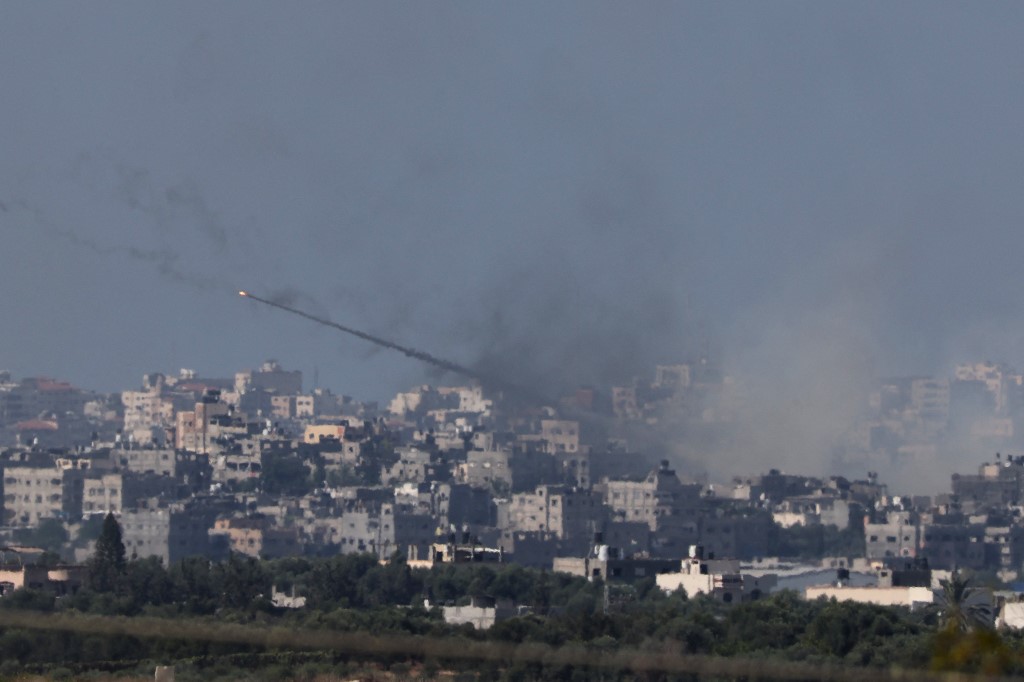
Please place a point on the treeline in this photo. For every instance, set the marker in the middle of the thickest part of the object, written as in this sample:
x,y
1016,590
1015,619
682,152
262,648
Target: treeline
x,y
357,594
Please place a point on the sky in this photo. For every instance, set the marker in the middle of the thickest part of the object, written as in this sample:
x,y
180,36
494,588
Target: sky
x,y
819,192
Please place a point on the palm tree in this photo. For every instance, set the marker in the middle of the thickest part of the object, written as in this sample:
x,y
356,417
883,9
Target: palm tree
x,y
967,640
964,607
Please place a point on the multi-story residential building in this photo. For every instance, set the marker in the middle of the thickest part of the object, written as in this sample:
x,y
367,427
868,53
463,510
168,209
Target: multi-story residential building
x,y
485,469
160,461
624,402
812,511
196,429
173,533
235,467
314,433
470,399
33,397
383,530
571,515
413,466
282,406
953,544
660,494
575,467
560,435
271,378
145,411
929,398
989,373
995,485
113,492
35,493
258,537
1004,548
103,494
897,537
319,403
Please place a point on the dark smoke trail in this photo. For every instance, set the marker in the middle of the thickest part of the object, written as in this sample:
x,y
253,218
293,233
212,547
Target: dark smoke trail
x,y
440,363
166,261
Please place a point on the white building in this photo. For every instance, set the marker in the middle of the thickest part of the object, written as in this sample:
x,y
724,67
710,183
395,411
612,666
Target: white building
x,y
911,597
718,578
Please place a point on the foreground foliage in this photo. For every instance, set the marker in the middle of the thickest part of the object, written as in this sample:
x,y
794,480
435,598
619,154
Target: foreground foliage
x,y
357,594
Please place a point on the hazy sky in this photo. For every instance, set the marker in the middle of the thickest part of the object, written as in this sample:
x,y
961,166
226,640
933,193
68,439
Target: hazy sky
x,y
824,191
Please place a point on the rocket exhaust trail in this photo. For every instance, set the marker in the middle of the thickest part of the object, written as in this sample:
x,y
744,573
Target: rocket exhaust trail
x,y
384,343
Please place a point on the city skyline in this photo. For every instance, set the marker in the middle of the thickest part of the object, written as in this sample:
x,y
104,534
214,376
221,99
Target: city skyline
x,y
820,195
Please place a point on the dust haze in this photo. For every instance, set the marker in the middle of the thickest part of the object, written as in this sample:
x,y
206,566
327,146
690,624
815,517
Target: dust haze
x,y
812,196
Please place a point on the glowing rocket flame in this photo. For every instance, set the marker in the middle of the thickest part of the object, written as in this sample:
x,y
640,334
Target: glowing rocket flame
x,y
242,293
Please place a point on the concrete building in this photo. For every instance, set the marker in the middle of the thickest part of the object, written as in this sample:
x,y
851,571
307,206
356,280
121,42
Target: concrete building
x,y
146,411
911,597
813,511
575,467
953,545
991,375
560,435
160,461
193,427
929,398
282,406
60,579
995,485
485,469
174,533
659,495
452,552
413,466
314,433
897,537
1004,547
482,614
257,537
901,582
1011,615
35,493
382,530
605,563
571,515
719,578
236,467
31,397
470,399
319,403
624,402
103,494
271,378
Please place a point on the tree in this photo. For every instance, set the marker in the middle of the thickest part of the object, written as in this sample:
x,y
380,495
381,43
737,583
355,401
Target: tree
x,y
967,640
108,562
964,607
241,580
49,535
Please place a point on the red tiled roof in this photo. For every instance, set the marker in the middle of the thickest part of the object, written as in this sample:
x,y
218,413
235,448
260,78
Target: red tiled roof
x,y
36,425
51,385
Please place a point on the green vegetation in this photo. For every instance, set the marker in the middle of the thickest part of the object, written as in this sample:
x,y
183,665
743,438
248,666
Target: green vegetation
x,y
216,621
108,565
49,534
